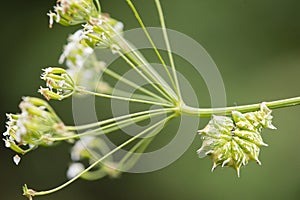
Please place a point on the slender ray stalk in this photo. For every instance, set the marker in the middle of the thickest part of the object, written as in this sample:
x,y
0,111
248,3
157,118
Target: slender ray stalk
x,y
139,19
165,34
100,160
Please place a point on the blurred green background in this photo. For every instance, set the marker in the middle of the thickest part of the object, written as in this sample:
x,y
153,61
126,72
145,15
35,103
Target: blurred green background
x,y
256,46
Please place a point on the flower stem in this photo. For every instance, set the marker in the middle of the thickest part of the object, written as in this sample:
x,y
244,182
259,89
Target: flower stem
x,y
134,85
127,58
110,127
98,6
207,112
93,125
101,159
133,55
131,5
83,91
163,25
128,82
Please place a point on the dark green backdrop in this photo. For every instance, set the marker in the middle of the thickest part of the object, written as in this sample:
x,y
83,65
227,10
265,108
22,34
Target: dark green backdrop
x,y
256,45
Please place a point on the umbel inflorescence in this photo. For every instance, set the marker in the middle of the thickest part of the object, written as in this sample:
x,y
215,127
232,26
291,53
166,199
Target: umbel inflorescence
x,y
232,137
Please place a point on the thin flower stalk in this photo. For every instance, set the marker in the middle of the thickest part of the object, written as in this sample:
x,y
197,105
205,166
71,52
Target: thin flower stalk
x,y
138,17
31,193
134,55
108,128
128,82
165,34
165,93
83,91
119,118
207,112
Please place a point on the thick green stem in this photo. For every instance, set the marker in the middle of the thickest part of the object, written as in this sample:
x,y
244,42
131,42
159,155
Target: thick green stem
x,y
207,112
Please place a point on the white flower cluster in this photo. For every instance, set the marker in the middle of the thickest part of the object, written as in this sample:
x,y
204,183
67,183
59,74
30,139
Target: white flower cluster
x,y
80,48
76,52
34,126
98,29
72,12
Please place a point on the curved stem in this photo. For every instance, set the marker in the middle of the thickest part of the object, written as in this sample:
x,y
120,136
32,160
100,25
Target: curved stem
x,y
207,112
132,156
98,6
131,5
165,34
100,160
131,95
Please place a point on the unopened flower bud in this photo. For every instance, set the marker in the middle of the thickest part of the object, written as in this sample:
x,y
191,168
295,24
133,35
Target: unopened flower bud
x,y
73,12
35,126
60,84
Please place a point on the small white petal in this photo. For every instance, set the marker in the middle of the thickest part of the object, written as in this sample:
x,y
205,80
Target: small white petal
x,y
16,159
6,133
7,143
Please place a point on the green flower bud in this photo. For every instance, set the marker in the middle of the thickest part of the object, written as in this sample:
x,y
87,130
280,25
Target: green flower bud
x,y
234,141
99,33
35,126
85,71
73,12
59,82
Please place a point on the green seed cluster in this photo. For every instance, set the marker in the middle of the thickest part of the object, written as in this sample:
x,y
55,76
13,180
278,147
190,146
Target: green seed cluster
x,y
233,141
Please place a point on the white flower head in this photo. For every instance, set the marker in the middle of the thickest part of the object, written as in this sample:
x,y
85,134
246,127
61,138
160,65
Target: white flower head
x,y
76,52
33,127
72,12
